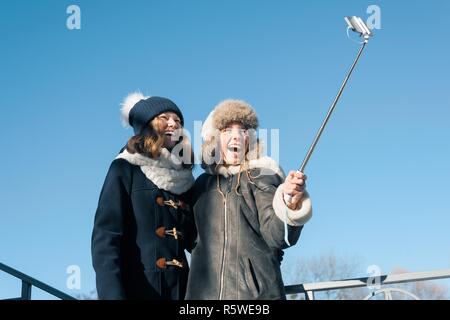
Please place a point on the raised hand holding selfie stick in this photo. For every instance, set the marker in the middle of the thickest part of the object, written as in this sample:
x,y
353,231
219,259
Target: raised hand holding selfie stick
x,y
355,24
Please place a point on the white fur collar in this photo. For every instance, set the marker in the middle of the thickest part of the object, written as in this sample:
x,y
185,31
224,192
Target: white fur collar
x,y
261,163
166,172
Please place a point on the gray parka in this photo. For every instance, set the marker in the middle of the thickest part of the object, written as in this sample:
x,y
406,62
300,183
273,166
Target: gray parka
x,y
241,233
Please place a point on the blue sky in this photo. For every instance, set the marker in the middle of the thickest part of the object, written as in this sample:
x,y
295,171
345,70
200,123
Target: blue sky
x,y
378,178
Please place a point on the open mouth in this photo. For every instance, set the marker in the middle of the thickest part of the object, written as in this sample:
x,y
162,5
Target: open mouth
x,y
169,133
234,148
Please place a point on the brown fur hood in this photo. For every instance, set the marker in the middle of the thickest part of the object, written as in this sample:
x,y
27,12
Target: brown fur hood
x,y
226,112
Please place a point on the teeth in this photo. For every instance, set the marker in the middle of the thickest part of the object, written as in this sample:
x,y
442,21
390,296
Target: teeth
x,y
234,148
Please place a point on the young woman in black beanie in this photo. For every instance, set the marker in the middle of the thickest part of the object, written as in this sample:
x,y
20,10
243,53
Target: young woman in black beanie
x,y
142,223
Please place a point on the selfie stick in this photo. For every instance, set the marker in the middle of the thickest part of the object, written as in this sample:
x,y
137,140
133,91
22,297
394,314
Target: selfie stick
x,y
355,24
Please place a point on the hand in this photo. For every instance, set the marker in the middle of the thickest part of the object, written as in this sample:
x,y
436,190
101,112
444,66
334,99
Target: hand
x,y
294,186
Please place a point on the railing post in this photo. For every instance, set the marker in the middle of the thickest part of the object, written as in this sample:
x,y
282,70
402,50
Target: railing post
x,y
309,295
26,290
29,282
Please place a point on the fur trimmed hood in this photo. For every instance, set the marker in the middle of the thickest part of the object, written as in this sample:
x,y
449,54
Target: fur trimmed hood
x,y
166,172
226,112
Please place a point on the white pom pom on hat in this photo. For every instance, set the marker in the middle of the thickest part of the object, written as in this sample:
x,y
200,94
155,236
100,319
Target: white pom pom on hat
x,y
128,103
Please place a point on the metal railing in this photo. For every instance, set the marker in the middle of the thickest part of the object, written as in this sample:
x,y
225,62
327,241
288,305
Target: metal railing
x,y
308,289
29,282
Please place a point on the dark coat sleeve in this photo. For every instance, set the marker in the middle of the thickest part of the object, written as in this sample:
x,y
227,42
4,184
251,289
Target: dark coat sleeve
x,y
272,228
190,197
114,202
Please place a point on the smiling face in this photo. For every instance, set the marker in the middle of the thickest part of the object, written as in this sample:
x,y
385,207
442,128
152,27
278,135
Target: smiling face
x,y
168,125
233,143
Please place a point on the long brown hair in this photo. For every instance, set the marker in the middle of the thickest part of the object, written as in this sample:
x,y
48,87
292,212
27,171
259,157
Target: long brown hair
x,y
151,140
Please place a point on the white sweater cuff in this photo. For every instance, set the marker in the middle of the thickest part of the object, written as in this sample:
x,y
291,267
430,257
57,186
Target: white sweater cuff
x,y
294,217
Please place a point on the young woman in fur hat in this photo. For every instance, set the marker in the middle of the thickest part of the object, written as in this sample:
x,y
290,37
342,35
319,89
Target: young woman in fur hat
x,y
142,224
243,223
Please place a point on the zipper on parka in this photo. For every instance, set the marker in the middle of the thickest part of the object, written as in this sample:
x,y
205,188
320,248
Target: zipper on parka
x,y
225,242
